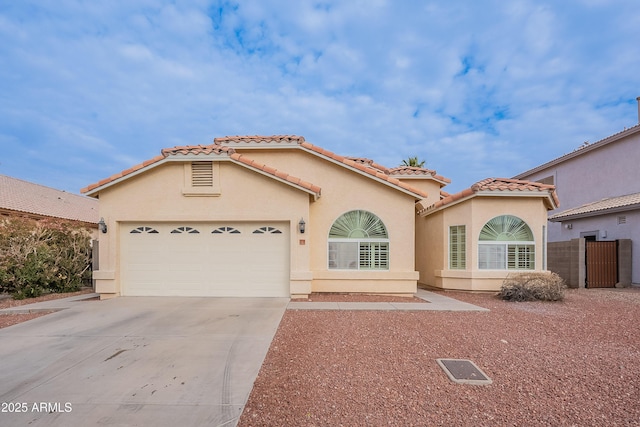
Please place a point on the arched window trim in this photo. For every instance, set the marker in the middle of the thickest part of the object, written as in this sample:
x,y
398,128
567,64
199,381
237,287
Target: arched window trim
x,y
506,228
359,224
350,245
501,245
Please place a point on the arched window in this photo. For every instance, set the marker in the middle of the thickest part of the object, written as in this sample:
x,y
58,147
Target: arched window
x,y
358,240
506,243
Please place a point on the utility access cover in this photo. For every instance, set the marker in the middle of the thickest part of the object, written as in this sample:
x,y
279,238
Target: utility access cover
x,y
463,371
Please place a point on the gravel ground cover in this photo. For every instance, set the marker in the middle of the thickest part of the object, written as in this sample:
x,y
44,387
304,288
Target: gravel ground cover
x,y
570,363
7,320
13,319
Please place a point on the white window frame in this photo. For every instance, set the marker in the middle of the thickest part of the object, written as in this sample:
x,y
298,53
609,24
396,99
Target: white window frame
x,y
351,253
355,261
507,253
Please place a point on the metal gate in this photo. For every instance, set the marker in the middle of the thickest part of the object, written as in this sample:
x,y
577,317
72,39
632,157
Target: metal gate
x,y
602,264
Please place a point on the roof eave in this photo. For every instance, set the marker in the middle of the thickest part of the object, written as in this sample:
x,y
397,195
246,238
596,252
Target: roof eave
x,y
578,152
561,218
415,194
442,182
315,194
124,176
550,201
33,215
428,211
195,157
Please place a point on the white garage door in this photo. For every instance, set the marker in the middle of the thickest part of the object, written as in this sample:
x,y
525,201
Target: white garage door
x,y
205,259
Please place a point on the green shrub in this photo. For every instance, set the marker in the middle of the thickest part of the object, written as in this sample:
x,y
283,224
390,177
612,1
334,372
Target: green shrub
x,y
545,286
41,257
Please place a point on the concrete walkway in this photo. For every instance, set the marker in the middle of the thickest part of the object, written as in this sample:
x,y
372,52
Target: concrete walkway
x,y
437,302
51,305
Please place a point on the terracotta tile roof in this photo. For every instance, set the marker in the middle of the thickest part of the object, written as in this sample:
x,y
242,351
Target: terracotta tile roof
x,y
122,174
275,172
604,206
408,171
513,187
196,149
212,149
22,196
258,139
370,163
362,167
226,146
360,164
506,184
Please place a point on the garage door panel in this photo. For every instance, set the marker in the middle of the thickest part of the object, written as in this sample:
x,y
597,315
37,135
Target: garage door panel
x,y
220,260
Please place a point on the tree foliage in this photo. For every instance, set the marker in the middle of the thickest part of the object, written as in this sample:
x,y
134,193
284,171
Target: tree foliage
x,y
40,257
413,162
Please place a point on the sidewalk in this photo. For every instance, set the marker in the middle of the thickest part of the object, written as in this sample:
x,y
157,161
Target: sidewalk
x,y
51,305
436,302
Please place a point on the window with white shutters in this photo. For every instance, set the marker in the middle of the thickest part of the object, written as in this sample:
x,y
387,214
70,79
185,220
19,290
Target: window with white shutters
x,y
506,243
457,247
358,240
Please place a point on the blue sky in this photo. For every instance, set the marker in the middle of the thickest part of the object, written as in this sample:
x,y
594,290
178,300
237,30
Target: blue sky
x,y
477,89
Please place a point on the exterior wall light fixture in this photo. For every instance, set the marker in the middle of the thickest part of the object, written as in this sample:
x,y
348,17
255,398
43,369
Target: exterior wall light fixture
x,y
102,226
301,225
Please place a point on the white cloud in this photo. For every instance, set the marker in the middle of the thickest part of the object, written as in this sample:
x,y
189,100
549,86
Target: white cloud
x,y
472,87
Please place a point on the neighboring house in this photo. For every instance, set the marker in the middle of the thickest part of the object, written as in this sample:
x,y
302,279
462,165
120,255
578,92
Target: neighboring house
x,y
599,185
278,216
26,199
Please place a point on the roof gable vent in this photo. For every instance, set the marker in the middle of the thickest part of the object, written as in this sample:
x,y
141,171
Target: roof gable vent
x,y
202,174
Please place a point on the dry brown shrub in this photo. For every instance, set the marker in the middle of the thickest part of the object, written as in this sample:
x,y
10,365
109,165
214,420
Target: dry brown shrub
x,y
541,286
39,257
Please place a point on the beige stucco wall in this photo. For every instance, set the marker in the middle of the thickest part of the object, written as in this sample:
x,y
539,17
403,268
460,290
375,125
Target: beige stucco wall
x,y
430,244
474,213
157,196
344,190
429,186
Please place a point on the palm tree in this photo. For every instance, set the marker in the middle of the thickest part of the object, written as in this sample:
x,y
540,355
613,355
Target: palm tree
x,y
413,161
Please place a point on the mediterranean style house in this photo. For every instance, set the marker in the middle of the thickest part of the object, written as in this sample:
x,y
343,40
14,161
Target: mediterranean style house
x,y
600,190
276,216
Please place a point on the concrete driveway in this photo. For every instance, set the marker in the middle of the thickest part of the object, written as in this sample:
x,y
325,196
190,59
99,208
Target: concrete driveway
x,y
136,361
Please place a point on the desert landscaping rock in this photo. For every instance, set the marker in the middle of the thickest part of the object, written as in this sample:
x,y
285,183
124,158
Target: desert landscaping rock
x,y
11,319
570,363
